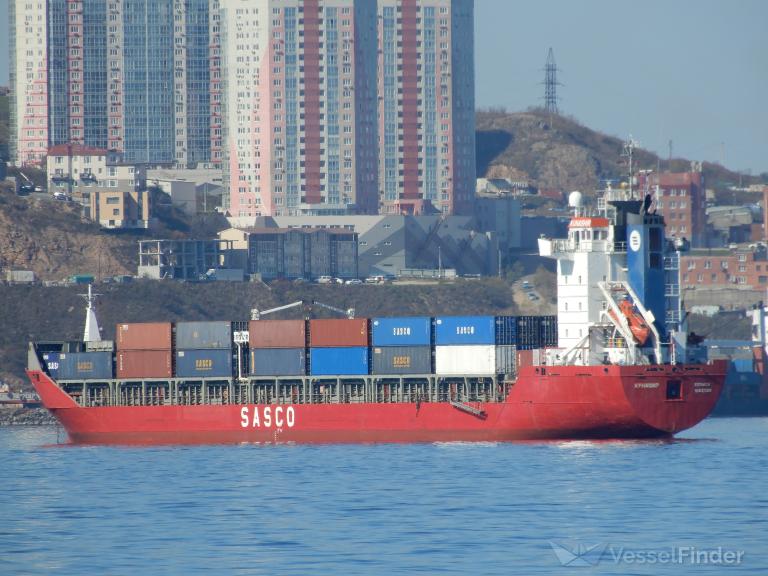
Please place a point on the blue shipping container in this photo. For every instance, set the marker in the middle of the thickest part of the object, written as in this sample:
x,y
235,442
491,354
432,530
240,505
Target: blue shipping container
x,y
452,330
204,363
85,366
203,335
506,330
332,361
51,360
278,362
404,331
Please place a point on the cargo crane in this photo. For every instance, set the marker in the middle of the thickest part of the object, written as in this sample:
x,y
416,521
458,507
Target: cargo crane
x,y
256,314
241,338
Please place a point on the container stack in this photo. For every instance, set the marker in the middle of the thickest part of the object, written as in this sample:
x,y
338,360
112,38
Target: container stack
x,y
338,347
144,350
465,345
277,347
204,349
401,345
536,332
506,340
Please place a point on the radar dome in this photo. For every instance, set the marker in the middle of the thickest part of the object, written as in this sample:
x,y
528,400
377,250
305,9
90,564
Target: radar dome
x,y
574,199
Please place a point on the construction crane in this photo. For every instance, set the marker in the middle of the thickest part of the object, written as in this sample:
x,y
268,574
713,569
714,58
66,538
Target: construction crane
x,y
256,314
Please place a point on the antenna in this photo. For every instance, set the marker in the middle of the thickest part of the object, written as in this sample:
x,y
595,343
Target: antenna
x,y
629,149
550,84
92,332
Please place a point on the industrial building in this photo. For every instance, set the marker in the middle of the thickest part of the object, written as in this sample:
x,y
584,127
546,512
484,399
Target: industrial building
x,y
291,253
183,259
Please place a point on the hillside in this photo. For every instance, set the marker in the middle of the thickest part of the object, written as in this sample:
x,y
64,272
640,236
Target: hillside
x,y
57,313
557,152
51,238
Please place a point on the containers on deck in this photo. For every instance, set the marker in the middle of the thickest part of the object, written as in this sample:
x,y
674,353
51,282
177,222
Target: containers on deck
x,y
536,332
144,336
471,360
277,333
403,331
85,366
203,335
464,330
345,332
144,363
401,360
211,363
351,360
144,350
278,362
51,361
278,347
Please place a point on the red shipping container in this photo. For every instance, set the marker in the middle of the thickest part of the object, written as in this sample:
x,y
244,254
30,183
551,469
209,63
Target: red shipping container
x,y
144,336
338,333
277,333
144,364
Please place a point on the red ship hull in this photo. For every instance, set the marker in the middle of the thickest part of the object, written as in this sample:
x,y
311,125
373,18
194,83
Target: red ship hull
x,y
559,402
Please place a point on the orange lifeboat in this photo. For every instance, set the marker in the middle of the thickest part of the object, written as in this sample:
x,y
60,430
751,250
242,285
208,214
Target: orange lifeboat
x,y
637,324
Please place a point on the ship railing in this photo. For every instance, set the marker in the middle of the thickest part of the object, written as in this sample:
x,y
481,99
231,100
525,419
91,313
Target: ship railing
x,y
565,245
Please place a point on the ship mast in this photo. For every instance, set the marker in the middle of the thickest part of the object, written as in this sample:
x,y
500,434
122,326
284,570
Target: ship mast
x,y
92,332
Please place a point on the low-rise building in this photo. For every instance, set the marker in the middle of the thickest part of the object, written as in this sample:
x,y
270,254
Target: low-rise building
x,y
389,244
79,171
194,191
116,209
744,267
291,253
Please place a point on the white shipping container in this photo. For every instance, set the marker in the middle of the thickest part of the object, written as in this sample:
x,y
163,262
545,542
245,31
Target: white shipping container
x,y
470,360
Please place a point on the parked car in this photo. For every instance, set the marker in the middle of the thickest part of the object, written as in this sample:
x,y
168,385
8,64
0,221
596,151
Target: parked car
x,y
324,280
354,281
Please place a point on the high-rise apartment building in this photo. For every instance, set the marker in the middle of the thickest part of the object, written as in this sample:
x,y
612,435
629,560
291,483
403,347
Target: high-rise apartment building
x,y
299,80
29,80
127,75
426,105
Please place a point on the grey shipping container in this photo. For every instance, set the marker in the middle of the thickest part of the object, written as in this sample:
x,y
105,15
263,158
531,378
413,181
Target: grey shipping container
x,y
210,363
203,335
402,359
278,362
85,366
506,359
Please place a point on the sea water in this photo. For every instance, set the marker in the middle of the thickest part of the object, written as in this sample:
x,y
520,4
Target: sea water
x,y
696,504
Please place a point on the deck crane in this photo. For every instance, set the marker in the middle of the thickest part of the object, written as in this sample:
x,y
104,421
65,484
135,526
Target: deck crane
x,y
256,314
241,337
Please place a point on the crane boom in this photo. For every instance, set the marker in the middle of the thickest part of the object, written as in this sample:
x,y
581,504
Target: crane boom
x,y
256,314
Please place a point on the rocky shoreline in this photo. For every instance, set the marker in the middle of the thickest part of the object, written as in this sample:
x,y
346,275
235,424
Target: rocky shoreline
x,y
26,417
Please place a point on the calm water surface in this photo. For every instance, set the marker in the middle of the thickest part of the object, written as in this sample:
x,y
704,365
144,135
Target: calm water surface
x,y
449,508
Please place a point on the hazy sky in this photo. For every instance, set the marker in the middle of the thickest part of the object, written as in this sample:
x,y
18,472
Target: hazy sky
x,y
693,71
